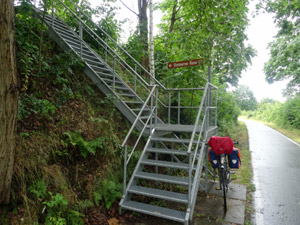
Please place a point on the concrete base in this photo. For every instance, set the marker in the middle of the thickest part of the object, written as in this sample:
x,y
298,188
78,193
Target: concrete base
x,y
209,207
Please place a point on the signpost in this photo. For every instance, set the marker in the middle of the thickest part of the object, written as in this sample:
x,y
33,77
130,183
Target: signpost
x,y
187,63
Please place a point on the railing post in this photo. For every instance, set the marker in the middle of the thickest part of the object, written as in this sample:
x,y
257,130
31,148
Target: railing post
x,y
125,171
169,108
114,74
156,105
52,22
178,119
135,69
80,35
216,110
190,179
105,50
151,108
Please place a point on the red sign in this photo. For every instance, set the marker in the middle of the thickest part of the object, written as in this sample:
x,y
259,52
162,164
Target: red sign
x,y
193,62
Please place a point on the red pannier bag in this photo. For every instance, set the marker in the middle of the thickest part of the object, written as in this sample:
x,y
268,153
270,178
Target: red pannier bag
x,y
221,145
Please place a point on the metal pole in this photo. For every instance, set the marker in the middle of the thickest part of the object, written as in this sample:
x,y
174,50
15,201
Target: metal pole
x,y
135,69
190,179
151,107
169,108
125,170
80,35
156,105
114,74
52,15
106,50
209,98
178,119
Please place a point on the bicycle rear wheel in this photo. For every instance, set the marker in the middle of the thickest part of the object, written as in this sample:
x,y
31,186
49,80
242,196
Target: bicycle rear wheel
x,y
224,187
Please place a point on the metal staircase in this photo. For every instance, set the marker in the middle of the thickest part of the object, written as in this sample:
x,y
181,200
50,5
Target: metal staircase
x,y
166,178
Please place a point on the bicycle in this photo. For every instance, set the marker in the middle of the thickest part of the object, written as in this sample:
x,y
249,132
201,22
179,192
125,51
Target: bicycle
x,y
224,173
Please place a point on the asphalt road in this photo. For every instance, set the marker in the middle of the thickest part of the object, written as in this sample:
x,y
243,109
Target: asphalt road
x,y
276,175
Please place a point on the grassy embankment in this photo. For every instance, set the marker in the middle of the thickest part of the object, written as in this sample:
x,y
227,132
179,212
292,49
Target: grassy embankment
x,y
292,133
244,174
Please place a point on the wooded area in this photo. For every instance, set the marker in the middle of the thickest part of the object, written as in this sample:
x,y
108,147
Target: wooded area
x,y
68,136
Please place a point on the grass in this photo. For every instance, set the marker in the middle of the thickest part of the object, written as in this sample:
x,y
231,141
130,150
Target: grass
x,y
292,133
244,174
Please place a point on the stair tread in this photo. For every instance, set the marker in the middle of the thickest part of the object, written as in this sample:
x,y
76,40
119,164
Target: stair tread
x,y
165,164
155,210
133,102
121,88
146,109
177,127
173,140
157,193
167,151
163,178
111,81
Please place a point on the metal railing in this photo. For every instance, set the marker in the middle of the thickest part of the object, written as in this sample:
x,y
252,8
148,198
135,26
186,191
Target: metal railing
x,y
198,153
153,107
136,76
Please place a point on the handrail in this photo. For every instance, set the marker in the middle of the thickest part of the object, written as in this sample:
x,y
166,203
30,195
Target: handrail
x,y
198,118
80,10
138,116
122,49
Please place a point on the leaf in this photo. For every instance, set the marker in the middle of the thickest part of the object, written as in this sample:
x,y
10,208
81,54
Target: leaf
x,y
113,221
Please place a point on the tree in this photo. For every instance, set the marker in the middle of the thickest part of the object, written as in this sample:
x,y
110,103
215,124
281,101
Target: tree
x,y
213,30
8,97
143,30
245,98
285,49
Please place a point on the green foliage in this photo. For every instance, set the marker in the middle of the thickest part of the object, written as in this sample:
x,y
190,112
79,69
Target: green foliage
x,y
108,191
39,189
85,147
30,104
285,49
228,112
58,212
213,30
56,206
245,98
283,114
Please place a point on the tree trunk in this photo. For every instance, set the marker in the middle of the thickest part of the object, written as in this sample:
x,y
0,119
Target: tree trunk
x,y
152,67
8,97
143,28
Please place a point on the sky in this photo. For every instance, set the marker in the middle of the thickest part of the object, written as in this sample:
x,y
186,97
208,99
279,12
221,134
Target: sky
x,y
260,32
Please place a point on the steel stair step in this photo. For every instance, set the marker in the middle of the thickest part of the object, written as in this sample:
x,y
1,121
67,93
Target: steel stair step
x,y
167,151
126,95
152,210
109,81
65,33
94,63
120,88
62,31
134,102
57,23
162,178
145,117
177,128
172,140
85,51
167,164
137,110
75,43
55,19
161,194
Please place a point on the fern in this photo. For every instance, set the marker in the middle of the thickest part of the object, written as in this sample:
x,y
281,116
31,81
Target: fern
x,y
84,146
